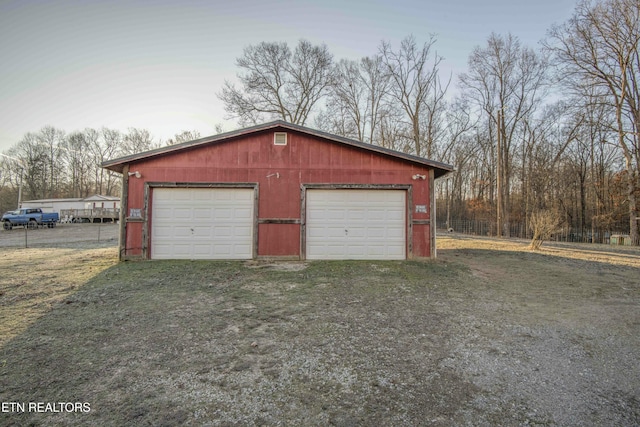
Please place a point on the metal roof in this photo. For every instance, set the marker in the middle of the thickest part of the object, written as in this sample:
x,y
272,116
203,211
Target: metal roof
x,y
94,198
117,165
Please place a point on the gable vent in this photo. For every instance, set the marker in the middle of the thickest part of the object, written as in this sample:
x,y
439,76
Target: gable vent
x,y
280,138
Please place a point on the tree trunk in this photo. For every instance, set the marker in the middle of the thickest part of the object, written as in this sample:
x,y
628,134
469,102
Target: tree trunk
x,y
633,207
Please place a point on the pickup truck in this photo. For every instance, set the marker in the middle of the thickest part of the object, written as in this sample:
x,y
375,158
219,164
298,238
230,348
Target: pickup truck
x,y
29,217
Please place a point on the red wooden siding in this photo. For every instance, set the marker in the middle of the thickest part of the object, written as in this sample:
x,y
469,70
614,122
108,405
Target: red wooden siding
x,y
279,172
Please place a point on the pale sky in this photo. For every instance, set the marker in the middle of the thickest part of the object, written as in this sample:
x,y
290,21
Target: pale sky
x,y
158,65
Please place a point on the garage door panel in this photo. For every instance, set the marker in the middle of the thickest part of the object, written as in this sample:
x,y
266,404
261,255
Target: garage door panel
x,y
202,196
201,232
163,214
356,251
202,250
376,251
356,224
202,223
164,233
377,215
162,250
238,248
394,234
178,196
179,231
222,214
180,249
228,196
222,233
221,250
243,213
388,196
326,251
376,233
202,213
243,231
357,215
181,213
316,233
395,251
332,232
334,214
226,251
356,233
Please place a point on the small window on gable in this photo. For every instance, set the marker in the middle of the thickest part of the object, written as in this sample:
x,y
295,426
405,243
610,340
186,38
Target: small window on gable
x,y
280,138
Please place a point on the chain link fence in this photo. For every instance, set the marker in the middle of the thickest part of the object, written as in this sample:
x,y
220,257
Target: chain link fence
x,y
520,230
62,235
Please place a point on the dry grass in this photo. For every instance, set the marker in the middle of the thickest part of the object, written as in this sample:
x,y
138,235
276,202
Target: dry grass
x,y
613,255
35,280
490,334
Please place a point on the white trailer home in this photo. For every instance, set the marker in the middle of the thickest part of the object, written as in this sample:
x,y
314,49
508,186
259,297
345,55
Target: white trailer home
x,y
96,208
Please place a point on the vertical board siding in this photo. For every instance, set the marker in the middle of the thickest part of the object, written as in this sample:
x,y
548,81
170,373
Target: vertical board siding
x,y
280,171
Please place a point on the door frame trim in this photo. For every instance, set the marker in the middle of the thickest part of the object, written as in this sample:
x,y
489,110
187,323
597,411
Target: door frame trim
x,y
409,203
148,206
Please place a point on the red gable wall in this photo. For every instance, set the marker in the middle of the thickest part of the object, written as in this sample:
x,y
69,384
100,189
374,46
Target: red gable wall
x,y
254,158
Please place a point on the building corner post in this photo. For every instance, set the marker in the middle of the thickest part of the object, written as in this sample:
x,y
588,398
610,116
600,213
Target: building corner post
x,y
124,203
432,213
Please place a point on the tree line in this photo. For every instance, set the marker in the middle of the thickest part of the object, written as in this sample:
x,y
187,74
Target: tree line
x,y
549,132
532,133
51,163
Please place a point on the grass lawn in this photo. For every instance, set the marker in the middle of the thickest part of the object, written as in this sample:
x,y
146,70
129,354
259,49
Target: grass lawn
x,y
489,334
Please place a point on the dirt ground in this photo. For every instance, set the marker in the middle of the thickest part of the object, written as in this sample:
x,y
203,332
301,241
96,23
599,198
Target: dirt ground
x,y
489,334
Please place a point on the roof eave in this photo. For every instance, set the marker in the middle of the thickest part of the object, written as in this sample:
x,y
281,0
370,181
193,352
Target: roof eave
x,y
117,165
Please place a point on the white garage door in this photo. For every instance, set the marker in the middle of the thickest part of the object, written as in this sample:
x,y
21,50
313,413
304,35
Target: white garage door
x,y
356,224
202,223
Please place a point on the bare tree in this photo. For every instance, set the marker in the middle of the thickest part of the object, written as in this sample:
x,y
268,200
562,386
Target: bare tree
x,y
36,162
356,101
599,48
392,133
11,180
456,147
184,136
505,82
376,81
218,129
104,145
543,158
413,71
50,138
80,163
434,120
346,108
278,83
136,141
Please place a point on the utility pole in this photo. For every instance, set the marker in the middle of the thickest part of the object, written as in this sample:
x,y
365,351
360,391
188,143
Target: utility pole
x,y
20,188
499,177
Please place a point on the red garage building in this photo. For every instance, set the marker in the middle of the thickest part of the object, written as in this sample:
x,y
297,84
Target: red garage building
x,y
276,190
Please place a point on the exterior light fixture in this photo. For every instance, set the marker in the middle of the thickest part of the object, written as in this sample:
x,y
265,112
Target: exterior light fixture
x,y
136,174
418,176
